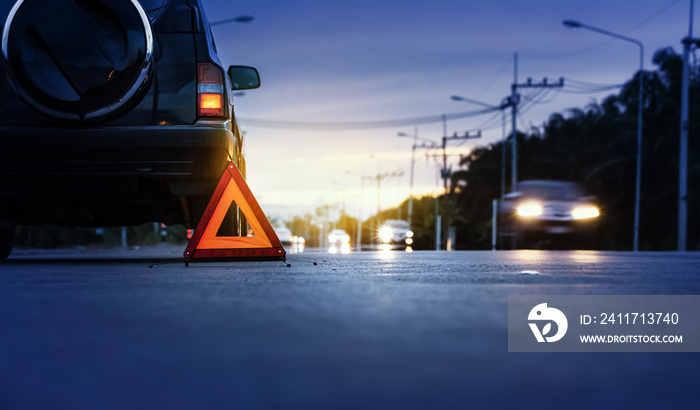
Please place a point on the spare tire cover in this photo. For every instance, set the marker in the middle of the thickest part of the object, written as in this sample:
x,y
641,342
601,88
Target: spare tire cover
x,y
80,60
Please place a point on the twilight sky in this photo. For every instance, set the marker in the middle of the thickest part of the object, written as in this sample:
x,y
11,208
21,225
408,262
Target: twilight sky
x,y
360,61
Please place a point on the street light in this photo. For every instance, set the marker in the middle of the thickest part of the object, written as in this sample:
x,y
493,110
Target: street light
x,y
576,24
683,153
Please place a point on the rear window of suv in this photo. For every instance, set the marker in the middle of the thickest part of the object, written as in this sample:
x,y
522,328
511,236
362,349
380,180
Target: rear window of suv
x,y
153,8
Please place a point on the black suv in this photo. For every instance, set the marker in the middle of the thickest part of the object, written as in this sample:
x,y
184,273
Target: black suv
x,y
112,112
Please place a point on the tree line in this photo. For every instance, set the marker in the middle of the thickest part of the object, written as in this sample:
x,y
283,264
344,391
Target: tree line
x,y
596,146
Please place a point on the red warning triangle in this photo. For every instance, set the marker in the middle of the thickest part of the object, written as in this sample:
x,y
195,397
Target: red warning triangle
x,y
265,245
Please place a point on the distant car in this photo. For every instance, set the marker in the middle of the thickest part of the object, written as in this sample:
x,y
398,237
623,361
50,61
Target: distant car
x,y
339,241
547,207
338,237
298,244
283,233
396,232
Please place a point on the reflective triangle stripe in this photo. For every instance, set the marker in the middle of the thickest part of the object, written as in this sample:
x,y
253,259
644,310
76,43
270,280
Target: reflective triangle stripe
x,y
232,188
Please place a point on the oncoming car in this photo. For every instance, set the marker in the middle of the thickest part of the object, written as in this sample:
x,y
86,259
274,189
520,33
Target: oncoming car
x,y
338,237
544,207
113,113
339,241
284,234
396,232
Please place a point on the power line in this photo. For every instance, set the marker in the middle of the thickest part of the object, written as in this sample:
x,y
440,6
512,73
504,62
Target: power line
x,y
492,122
582,87
601,90
653,16
574,82
493,80
353,125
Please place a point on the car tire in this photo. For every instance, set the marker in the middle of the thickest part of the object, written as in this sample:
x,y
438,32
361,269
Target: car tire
x,y
78,60
230,226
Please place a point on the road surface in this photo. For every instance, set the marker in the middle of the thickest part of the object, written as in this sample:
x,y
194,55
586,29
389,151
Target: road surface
x,y
136,329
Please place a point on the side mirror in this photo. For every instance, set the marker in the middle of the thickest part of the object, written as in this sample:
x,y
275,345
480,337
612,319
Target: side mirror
x,y
243,78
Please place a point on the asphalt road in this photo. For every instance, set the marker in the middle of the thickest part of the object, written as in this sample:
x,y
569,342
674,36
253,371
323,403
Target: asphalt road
x,y
138,330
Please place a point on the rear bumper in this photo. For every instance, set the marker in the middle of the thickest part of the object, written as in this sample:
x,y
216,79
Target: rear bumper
x,y
94,161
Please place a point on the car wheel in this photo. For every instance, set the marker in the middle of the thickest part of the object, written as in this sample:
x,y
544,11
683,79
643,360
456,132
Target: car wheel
x,y
78,60
231,225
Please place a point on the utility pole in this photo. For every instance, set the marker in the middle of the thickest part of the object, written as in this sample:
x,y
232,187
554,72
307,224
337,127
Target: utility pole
x,y
432,145
515,100
379,178
505,103
446,173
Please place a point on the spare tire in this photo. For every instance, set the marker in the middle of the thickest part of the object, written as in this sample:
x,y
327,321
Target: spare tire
x,y
78,60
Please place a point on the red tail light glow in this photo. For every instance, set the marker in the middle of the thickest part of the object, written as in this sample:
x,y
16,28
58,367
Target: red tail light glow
x,y
210,104
210,91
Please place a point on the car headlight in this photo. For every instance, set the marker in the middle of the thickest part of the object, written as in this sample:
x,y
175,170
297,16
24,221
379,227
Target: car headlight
x,y
385,234
529,209
585,212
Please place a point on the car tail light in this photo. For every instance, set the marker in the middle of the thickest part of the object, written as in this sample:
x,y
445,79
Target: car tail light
x,y
210,90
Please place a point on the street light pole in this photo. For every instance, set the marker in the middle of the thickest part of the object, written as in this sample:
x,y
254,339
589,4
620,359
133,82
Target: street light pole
x,y
683,154
358,240
413,165
413,162
638,187
514,109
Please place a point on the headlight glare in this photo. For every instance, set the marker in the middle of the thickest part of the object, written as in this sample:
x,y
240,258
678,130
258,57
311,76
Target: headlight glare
x,y
529,209
585,212
385,234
